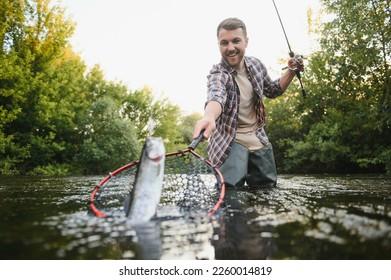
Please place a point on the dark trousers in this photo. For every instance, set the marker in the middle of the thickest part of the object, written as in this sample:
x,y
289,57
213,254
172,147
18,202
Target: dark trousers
x,y
253,168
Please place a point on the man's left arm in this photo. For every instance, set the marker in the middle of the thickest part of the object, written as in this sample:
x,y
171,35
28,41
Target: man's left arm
x,y
286,79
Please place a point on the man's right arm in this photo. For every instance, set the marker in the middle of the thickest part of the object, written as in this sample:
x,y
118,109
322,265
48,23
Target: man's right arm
x,y
208,122
217,81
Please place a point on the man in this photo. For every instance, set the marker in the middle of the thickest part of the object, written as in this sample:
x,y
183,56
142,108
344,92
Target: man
x,y
234,117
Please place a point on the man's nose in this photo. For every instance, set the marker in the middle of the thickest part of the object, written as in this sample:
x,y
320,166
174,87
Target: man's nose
x,y
230,46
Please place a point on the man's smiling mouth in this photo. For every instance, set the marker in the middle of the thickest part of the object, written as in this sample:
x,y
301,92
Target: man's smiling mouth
x,y
232,54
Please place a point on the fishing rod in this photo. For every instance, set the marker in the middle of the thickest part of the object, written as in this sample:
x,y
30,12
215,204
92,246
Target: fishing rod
x,y
291,53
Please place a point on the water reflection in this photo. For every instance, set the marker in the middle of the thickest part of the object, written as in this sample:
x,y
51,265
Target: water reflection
x,y
237,237
337,218
305,217
171,235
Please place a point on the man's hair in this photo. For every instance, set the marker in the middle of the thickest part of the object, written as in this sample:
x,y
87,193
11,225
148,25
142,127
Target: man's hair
x,y
232,24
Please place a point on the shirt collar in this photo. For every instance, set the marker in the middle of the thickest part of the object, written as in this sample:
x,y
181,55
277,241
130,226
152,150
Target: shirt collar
x,y
227,67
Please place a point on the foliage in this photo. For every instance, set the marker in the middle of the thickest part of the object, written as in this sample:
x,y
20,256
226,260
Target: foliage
x,y
109,140
344,123
56,117
187,125
51,170
185,128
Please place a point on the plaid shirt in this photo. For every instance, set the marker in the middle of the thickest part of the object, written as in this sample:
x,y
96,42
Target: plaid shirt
x,y
223,89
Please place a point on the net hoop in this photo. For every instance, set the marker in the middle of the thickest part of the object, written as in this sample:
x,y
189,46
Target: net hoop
x,y
220,179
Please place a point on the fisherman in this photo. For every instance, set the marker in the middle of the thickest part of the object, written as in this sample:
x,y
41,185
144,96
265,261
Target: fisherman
x,y
234,116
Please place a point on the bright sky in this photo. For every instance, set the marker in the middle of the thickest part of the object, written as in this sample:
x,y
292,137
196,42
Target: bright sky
x,y
170,45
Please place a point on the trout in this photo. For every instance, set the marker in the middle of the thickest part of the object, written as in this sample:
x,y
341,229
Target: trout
x,y
141,204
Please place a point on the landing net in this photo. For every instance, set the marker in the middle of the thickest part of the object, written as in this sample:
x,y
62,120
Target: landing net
x,y
190,182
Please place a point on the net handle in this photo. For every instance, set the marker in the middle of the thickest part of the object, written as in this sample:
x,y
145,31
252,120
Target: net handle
x,y
197,140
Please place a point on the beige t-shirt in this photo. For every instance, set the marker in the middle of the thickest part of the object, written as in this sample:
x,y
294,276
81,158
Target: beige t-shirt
x,y
247,118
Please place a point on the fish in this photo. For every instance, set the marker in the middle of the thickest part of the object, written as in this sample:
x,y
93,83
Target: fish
x,y
142,201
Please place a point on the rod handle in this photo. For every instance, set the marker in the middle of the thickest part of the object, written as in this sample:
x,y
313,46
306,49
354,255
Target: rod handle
x,y
197,140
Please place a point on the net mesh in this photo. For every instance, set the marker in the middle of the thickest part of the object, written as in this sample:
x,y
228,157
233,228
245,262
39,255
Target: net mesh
x,y
188,183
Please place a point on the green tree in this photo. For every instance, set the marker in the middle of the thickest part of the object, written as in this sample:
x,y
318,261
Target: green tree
x,y
344,123
140,107
187,126
57,116
168,117
34,35
109,140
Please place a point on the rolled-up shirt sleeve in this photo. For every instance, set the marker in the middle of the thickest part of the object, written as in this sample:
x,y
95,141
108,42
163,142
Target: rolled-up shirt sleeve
x,y
216,86
271,88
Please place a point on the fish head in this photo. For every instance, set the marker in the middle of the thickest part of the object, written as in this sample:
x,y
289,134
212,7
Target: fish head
x,y
154,150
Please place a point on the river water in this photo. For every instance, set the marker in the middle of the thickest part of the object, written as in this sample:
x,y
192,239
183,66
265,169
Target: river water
x,y
305,217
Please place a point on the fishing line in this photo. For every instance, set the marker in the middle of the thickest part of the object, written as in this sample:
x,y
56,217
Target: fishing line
x,y
291,53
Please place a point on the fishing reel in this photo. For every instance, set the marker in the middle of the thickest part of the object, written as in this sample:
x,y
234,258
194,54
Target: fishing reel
x,y
299,63
298,60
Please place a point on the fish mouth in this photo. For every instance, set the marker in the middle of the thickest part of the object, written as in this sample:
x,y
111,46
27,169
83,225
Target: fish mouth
x,y
156,158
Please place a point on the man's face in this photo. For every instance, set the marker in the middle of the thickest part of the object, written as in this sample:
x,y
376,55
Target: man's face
x,y
232,44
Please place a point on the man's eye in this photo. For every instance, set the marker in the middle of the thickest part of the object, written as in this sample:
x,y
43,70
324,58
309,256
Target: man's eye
x,y
223,43
236,41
